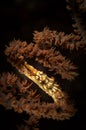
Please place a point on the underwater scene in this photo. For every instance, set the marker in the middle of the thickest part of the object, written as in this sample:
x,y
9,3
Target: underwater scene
x,y
42,64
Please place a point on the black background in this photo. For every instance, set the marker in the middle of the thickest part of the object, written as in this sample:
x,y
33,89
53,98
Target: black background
x,y
18,19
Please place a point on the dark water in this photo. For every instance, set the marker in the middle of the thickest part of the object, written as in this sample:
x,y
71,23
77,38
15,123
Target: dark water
x,y
18,19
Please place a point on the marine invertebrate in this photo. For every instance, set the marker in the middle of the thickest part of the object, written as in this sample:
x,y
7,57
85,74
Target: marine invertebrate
x,y
43,81
39,65
20,95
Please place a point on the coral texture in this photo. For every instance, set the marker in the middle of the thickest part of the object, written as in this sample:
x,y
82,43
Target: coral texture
x,y
19,94
23,91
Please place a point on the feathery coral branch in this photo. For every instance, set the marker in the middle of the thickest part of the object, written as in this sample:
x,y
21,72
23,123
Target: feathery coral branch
x,y
19,51
12,96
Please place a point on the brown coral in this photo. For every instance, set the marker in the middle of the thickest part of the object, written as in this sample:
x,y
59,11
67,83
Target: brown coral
x,y
19,94
49,56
